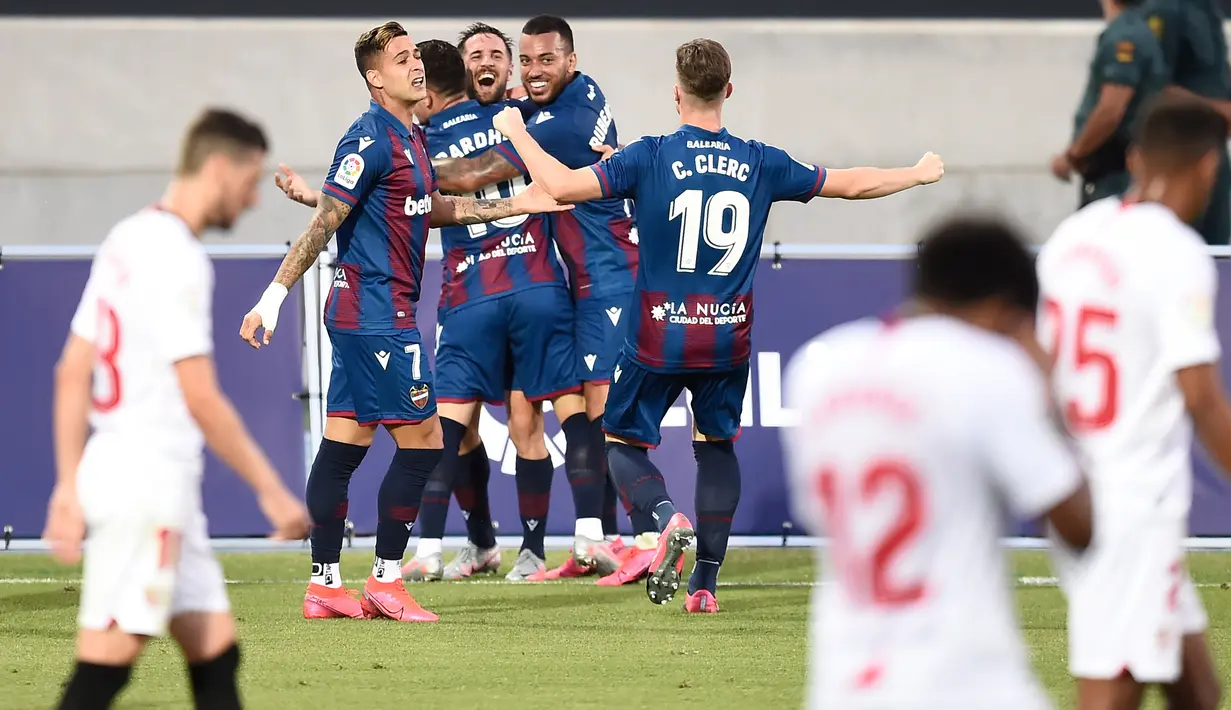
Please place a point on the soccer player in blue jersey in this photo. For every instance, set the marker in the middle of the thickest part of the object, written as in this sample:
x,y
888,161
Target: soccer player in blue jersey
x,y
597,240
380,197
506,324
703,197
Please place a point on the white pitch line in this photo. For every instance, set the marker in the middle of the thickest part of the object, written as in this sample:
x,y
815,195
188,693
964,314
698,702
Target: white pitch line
x,y
1021,582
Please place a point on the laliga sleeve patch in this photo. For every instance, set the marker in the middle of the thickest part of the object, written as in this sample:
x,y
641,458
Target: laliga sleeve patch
x,y
349,171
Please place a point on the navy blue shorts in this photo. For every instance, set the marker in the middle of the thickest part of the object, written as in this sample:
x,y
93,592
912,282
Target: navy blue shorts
x,y
522,341
600,335
639,399
380,379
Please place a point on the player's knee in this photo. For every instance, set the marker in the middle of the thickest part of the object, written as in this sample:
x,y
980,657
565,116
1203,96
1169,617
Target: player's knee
x,y
470,440
424,435
203,635
112,647
526,429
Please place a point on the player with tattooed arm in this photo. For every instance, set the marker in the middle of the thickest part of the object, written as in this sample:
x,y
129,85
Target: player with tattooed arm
x,y
381,198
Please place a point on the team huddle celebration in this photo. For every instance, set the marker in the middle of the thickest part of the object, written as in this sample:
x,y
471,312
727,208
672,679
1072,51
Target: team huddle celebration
x,y
607,275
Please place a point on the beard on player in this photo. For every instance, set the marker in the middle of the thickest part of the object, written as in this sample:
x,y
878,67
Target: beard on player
x,y
236,182
547,66
487,84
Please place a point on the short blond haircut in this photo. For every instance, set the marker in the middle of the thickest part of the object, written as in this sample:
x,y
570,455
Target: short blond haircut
x,y
371,43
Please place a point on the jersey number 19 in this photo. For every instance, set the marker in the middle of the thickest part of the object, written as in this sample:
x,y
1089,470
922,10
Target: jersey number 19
x,y
722,220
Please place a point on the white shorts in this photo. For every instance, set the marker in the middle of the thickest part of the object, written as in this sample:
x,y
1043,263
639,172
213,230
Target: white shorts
x,y
1130,599
148,556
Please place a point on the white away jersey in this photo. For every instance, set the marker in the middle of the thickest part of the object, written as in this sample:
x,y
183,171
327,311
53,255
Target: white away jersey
x,y
146,306
1127,301
912,440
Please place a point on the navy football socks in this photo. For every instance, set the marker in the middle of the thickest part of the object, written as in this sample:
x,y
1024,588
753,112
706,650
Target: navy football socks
x,y
399,497
718,489
434,509
213,682
471,492
584,477
533,501
641,482
327,498
93,686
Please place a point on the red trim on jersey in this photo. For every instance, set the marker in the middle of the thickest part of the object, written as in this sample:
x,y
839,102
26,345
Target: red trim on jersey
x,y
510,156
340,194
552,395
603,183
396,422
401,232
820,181
628,439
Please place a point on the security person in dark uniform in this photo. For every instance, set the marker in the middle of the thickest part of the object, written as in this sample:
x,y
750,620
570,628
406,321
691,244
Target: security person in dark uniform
x,y
1128,68
1195,51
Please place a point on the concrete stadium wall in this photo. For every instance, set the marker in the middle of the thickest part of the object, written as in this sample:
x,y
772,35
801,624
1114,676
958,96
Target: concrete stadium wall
x,y
88,133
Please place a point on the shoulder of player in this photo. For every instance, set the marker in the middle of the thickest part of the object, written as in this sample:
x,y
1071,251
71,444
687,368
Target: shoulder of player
x,y
157,239
829,345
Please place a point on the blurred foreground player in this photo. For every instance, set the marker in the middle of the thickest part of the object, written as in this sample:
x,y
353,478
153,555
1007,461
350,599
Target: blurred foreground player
x,y
141,341
381,198
703,197
914,435
1128,294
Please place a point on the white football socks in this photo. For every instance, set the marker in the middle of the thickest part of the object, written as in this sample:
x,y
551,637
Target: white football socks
x,y
328,574
387,570
427,548
589,528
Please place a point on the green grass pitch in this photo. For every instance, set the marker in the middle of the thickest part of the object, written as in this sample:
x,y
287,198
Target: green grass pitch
x,y
509,646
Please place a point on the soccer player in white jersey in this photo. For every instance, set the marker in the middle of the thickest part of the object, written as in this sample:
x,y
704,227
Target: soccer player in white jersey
x,y
914,436
137,368
1127,315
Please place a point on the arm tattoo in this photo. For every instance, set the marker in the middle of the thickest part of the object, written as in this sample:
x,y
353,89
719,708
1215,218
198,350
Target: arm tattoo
x,y
467,210
330,213
465,175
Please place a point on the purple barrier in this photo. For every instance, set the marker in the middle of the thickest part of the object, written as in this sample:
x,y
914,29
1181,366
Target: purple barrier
x,y
39,298
794,303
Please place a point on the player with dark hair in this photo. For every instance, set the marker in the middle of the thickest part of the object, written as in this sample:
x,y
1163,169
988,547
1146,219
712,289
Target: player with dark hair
x,y
138,370
1194,42
1128,291
597,242
381,198
917,438
1127,70
703,197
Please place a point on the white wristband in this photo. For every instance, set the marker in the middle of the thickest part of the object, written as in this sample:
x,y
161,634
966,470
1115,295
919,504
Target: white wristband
x,y
267,307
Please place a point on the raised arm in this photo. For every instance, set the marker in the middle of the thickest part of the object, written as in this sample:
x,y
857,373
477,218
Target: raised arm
x,y
557,179
468,175
870,183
